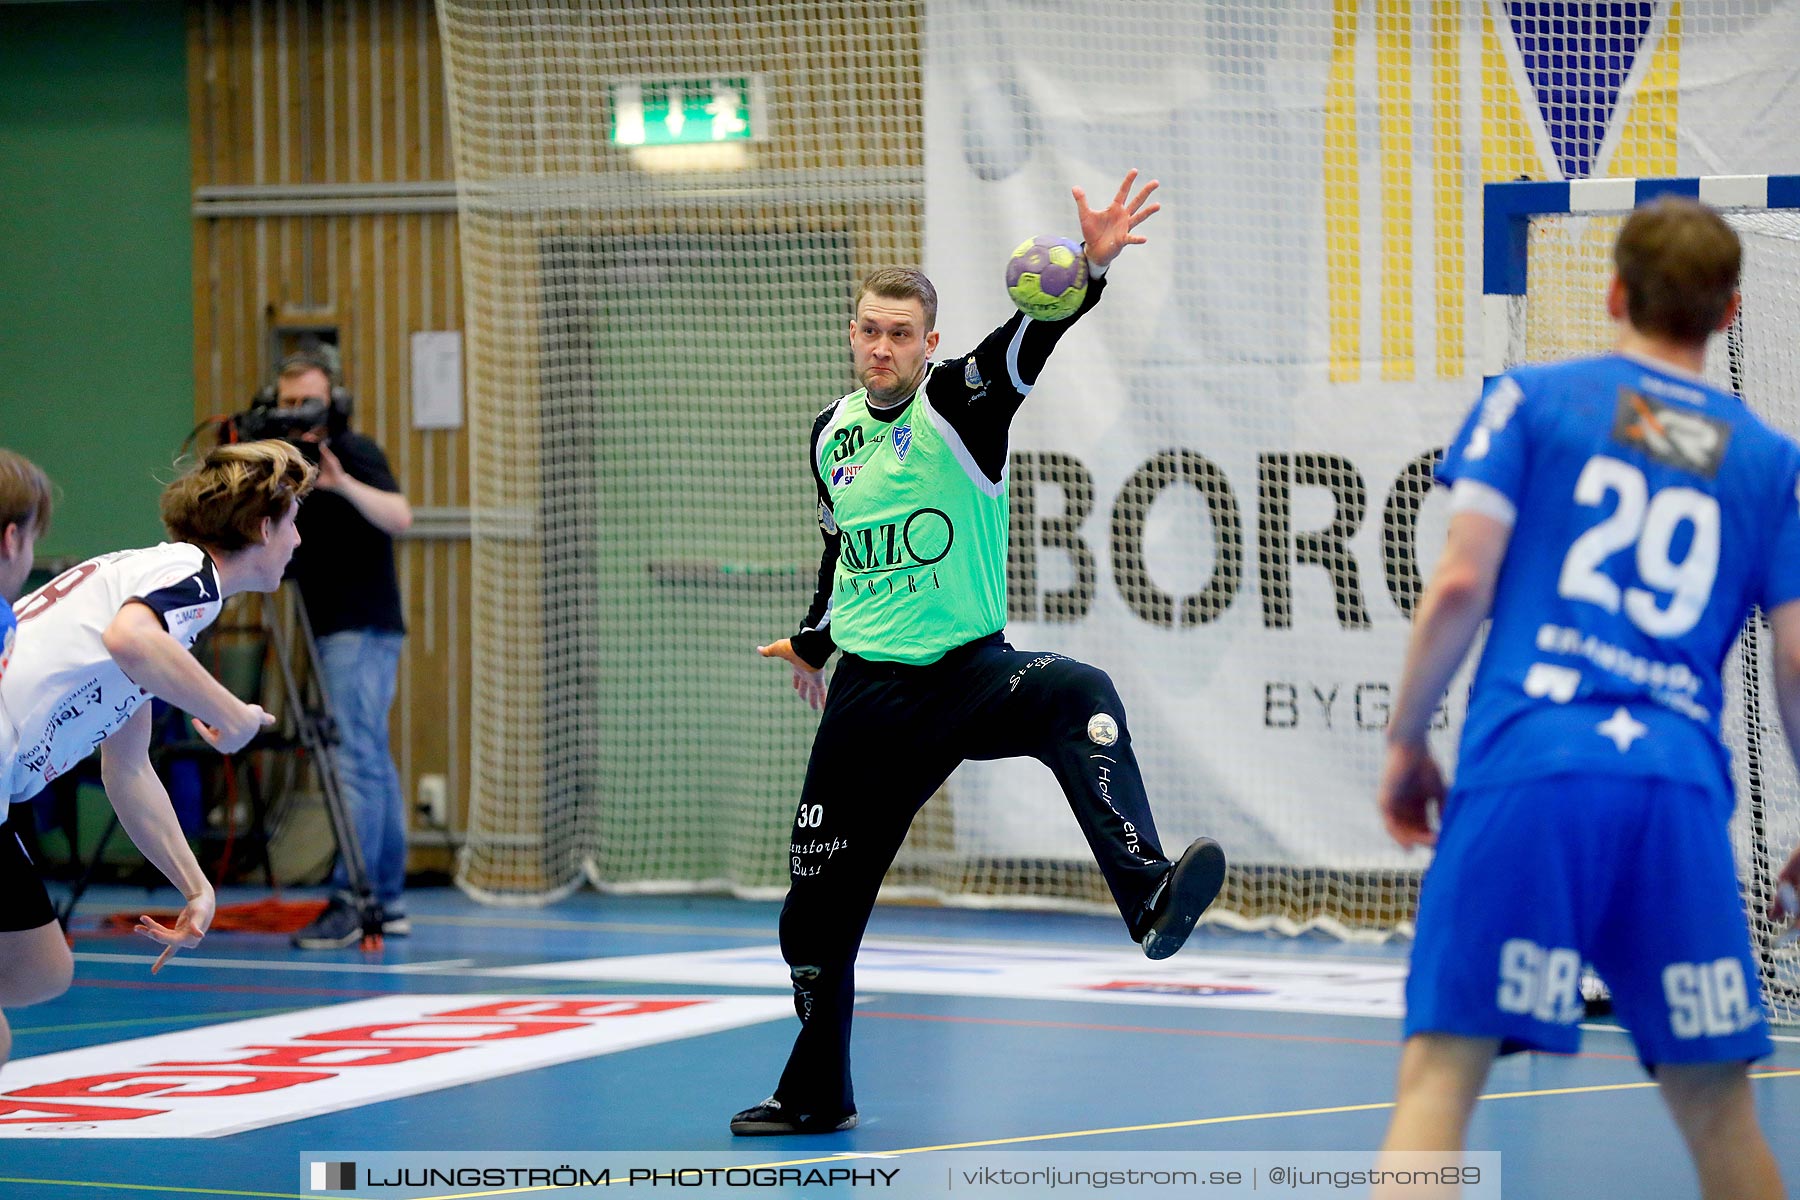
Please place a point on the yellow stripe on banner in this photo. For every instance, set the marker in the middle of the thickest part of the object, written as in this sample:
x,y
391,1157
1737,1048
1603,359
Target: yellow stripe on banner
x,y
1393,75
1647,139
1343,223
1507,147
1449,197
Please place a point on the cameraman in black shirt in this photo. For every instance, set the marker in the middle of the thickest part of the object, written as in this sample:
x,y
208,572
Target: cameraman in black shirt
x,y
345,570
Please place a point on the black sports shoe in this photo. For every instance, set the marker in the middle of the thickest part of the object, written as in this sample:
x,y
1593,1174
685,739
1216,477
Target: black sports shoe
x,y
335,928
1191,884
769,1118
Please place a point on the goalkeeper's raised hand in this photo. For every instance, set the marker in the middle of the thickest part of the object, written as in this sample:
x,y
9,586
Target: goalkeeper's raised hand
x,y
1111,229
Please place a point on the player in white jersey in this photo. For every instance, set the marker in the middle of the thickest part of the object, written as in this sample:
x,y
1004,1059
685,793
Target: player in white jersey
x,y
1617,518
95,644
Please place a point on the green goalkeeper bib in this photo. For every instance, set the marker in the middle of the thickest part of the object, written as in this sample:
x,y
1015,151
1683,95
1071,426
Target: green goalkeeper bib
x,y
922,534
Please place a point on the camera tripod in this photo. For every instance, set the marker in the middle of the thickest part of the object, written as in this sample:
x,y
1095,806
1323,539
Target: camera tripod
x,y
308,728
317,735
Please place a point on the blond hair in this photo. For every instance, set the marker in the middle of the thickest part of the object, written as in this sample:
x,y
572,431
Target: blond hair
x,y
24,493
1679,261
902,283
223,502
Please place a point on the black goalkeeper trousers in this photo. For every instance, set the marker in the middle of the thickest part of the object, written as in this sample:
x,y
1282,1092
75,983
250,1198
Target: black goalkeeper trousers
x,y
890,735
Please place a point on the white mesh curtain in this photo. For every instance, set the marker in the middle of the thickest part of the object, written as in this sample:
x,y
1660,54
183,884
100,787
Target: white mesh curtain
x,y
650,331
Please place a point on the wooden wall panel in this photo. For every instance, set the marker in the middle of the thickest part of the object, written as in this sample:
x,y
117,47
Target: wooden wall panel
x,y
322,171
313,125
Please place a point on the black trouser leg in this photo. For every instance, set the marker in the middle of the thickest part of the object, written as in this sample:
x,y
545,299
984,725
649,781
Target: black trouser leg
x,y
864,782
1068,716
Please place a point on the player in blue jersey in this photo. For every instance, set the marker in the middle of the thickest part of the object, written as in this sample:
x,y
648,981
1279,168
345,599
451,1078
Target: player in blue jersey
x,y
1617,518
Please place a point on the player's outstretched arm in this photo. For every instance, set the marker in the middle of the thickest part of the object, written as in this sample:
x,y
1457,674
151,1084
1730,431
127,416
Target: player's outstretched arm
x,y
162,666
1784,624
1107,231
1450,613
1007,363
808,681
142,803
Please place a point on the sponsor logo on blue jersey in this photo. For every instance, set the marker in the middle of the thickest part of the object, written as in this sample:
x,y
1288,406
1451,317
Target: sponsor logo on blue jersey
x,y
1675,437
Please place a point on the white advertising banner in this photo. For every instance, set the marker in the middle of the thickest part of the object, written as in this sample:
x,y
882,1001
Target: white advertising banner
x,y
1219,482
223,1079
1353,988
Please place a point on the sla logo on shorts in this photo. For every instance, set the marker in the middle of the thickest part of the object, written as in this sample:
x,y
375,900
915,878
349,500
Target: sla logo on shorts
x,y
1102,730
1709,999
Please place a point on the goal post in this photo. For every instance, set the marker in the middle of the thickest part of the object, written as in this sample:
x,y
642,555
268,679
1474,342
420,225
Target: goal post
x,y
1547,258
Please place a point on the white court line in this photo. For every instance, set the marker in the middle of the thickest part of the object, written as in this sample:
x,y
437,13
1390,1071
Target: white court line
x,y
1773,1037
275,964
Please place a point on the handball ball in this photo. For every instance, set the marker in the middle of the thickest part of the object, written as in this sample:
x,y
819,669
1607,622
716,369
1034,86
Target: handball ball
x,y
1047,278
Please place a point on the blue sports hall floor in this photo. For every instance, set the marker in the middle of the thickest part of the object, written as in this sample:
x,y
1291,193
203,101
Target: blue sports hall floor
x,y
639,1024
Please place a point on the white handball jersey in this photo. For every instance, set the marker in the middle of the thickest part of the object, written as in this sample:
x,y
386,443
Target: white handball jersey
x,y
62,694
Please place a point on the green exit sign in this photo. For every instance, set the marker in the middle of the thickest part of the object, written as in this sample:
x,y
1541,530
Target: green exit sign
x,y
687,112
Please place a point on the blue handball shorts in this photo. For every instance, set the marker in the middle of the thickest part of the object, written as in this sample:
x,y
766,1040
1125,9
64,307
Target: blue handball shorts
x,y
1632,875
